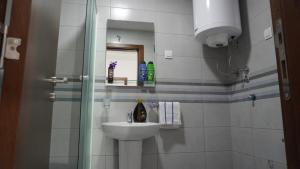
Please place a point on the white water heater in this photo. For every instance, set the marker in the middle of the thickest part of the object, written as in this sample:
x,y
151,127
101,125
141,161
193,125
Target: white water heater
x,y
217,21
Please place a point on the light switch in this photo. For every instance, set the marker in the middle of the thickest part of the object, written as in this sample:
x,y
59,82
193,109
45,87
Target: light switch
x,y
168,54
268,34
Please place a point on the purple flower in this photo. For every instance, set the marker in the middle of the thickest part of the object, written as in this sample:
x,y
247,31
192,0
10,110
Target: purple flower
x,y
112,65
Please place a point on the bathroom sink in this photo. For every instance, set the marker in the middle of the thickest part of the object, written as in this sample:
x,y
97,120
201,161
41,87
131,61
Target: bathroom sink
x,y
130,136
130,131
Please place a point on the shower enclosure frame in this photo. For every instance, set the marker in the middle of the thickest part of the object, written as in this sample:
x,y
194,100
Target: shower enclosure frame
x,y
87,96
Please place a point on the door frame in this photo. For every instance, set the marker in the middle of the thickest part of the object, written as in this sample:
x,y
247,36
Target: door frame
x,y
12,85
288,11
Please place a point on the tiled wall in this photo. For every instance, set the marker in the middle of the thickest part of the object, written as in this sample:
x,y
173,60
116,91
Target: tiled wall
x,y
221,127
256,128
205,135
145,38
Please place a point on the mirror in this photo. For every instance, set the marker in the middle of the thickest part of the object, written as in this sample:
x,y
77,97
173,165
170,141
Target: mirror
x,y
130,54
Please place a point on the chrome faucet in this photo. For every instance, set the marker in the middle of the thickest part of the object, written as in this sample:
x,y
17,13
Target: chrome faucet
x,y
129,117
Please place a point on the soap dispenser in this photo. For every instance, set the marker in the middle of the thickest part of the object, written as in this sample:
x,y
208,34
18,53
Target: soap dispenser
x,y
140,114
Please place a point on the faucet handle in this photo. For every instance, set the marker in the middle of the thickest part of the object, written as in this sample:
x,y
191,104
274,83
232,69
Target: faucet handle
x,y
129,117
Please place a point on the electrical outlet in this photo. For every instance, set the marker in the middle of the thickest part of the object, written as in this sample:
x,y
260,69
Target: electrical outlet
x,y
168,54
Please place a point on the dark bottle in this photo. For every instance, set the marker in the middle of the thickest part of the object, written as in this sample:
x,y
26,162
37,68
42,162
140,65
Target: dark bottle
x,y
139,114
110,76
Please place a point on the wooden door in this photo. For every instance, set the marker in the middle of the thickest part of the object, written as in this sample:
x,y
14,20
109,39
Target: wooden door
x,y
286,16
25,109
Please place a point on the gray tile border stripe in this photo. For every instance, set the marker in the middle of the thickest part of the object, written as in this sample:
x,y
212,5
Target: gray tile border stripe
x,y
205,91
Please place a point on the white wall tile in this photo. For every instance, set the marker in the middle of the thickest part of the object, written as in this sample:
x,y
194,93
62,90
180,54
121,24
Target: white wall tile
x,y
267,114
103,2
255,7
98,142
73,14
212,68
100,63
180,140
75,1
132,15
101,40
175,68
258,25
217,139
181,45
134,4
261,163
268,144
242,140
102,16
192,114
243,161
216,114
99,115
174,6
217,160
262,56
68,37
69,62
174,23
181,161
241,114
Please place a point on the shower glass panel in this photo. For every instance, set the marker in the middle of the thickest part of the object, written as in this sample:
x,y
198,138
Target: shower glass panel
x,y
87,87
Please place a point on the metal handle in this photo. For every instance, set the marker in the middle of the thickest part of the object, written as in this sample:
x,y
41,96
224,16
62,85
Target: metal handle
x,y
52,97
83,77
55,80
280,49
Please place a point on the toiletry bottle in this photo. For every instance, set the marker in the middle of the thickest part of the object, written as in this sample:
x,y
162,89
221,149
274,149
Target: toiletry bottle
x,y
110,72
150,72
142,73
110,76
140,114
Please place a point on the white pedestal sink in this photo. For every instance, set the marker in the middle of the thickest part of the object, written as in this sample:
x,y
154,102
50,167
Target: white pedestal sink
x,y
130,136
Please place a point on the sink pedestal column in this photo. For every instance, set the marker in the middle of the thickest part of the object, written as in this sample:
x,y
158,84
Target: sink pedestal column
x,y
130,154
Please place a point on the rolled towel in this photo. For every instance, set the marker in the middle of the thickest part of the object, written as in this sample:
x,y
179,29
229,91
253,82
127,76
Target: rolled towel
x,y
169,112
176,113
162,113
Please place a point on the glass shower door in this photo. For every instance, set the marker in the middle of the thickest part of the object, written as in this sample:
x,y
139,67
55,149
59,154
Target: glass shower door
x,y
84,161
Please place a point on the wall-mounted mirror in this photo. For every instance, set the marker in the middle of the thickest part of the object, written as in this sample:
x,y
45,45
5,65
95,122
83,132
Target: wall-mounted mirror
x,y
130,54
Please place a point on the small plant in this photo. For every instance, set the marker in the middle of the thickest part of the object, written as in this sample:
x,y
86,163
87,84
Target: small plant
x,y
112,65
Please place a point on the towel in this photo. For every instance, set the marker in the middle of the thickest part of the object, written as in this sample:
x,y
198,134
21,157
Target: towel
x,y
169,113
176,113
162,113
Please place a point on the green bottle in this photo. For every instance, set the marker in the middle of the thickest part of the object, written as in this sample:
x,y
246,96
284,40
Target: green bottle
x,y
139,114
150,71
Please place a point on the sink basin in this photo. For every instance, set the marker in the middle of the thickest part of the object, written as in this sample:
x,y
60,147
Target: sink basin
x,y
130,131
130,136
